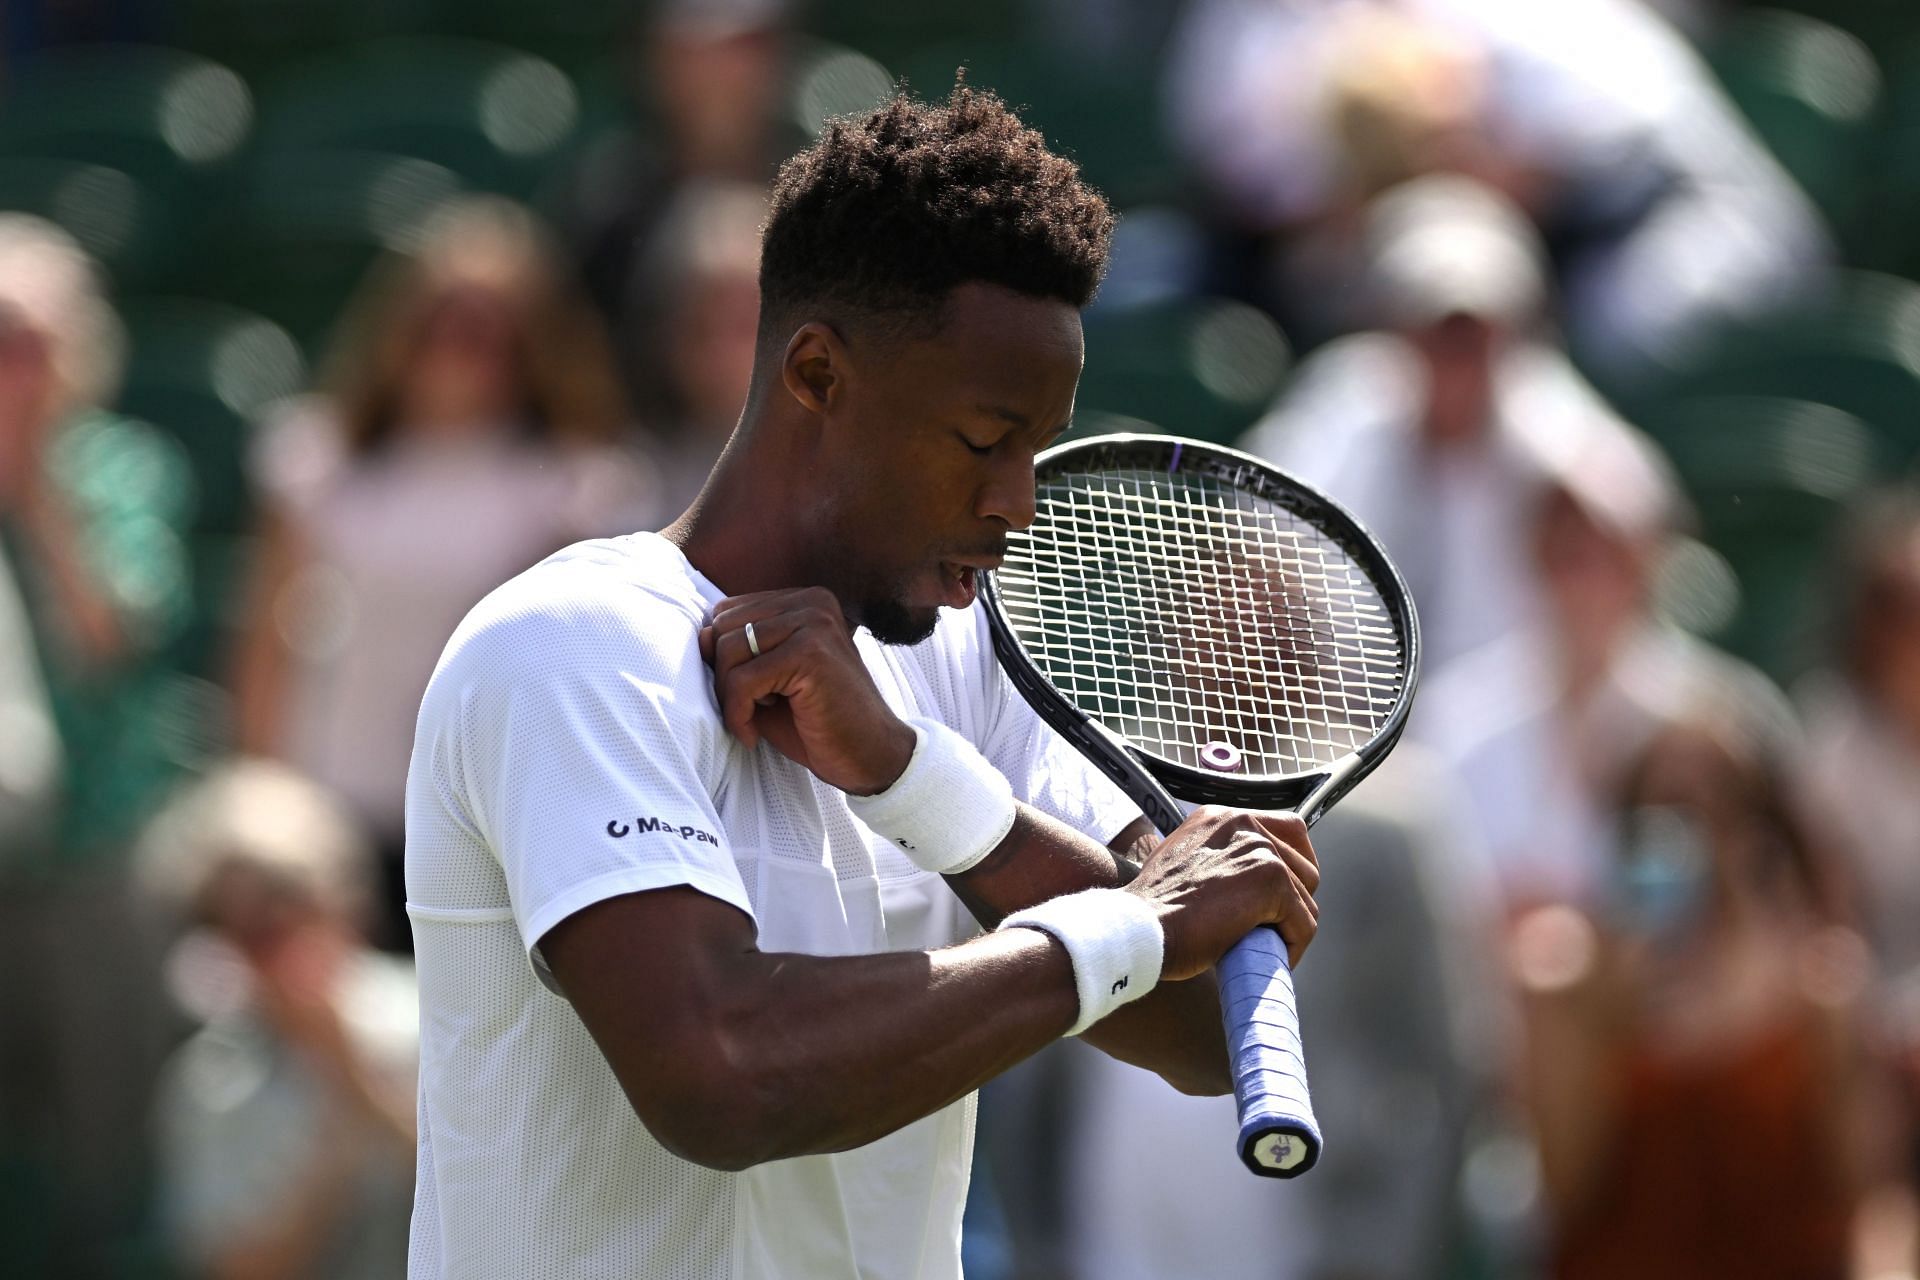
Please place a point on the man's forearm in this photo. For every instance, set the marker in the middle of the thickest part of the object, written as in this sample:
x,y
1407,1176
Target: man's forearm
x,y
1174,1031
787,1055
871,1043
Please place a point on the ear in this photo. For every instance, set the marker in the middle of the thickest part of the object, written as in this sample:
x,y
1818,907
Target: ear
x,y
814,368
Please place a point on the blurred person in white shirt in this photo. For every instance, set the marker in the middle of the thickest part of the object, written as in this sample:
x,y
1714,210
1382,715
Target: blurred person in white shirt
x,y
30,767
468,427
286,1124
1540,722
1423,426
1667,215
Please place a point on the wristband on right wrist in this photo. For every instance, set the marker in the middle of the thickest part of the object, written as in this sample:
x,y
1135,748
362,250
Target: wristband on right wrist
x,y
1113,939
948,809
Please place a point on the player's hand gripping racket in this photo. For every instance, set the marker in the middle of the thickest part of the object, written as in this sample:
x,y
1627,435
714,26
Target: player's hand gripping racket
x,y
1202,626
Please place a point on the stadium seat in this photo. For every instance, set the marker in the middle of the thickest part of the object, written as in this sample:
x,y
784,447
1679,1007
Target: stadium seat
x,y
571,33
260,37
1106,119
1882,24
131,107
495,116
158,130
1858,350
1202,367
1889,241
201,371
308,224
134,235
895,33
1813,93
1769,478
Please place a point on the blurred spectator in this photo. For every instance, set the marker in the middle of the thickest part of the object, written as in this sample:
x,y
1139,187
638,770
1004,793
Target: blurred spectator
x,y
1695,1066
286,1124
1422,427
1666,215
1863,725
91,509
30,766
467,430
704,269
1540,723
1402,1017
709,78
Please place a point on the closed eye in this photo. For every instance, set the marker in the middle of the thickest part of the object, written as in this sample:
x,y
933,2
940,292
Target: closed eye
x,y
980,450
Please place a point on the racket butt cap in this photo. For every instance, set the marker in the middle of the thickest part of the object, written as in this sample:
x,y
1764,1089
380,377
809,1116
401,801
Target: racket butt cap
x,y
1280,1152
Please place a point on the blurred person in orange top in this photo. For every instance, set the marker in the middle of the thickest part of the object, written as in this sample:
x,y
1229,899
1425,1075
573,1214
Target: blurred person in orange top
x,y
1863,726
286,1123
1695,1062
469,425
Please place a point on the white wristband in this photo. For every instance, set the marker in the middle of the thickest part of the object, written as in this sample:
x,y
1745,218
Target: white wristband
x,y
948,809
1114,940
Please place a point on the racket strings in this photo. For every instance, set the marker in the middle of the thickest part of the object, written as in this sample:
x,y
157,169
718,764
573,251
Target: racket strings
x,y
1189,614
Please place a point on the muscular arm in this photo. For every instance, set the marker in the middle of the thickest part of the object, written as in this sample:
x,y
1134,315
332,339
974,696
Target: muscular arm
x,y
1175,1031
732,1056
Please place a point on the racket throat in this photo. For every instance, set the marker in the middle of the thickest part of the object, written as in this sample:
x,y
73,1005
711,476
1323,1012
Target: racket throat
x,y
1346,771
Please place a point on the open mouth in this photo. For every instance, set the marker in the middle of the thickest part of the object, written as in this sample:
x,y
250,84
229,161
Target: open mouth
x,y
960,585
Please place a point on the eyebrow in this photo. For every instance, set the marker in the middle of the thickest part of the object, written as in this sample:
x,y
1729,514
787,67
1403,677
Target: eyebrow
x,y
1006,415
1020,420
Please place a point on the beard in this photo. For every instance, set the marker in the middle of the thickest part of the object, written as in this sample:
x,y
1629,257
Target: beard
x,y
892,621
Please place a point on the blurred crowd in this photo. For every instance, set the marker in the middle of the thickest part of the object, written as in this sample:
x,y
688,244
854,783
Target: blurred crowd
x,y
319,319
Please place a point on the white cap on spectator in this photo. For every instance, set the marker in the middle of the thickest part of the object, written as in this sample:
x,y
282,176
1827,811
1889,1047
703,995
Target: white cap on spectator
x,y
49,284
263,815
1447,245
1613,471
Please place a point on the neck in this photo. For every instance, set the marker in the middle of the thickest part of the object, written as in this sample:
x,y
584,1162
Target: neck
x,y
747,529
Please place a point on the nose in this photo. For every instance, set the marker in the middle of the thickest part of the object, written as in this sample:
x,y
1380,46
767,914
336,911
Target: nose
x,y
1007,494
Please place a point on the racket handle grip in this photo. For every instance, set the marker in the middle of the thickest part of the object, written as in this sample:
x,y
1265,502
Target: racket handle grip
x,y
1279,1138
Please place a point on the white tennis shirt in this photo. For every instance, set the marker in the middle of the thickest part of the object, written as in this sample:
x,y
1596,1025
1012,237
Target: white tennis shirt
x,y
569,750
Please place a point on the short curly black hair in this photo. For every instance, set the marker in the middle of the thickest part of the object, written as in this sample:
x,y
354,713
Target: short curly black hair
x,y
884,216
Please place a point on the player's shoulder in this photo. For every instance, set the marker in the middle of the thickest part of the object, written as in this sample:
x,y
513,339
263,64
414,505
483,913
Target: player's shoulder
x,y
621,605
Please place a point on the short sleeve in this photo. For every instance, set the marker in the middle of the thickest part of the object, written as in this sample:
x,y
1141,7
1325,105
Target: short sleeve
x,y
588,753
1044,768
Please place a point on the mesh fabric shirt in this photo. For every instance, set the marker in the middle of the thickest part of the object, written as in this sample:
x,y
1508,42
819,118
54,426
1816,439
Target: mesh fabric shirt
x,y
570,749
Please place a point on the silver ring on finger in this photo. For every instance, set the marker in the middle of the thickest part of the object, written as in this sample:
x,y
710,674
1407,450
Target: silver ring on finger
x,y
753,641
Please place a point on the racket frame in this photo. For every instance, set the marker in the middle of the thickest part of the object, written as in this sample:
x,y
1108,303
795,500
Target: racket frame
x,y
1151,780
1283,1143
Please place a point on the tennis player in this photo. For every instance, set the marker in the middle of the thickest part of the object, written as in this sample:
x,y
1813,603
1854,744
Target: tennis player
x,y
703,827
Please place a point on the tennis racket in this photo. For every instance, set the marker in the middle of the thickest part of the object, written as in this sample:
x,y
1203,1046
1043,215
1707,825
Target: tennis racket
x,y
1203,626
